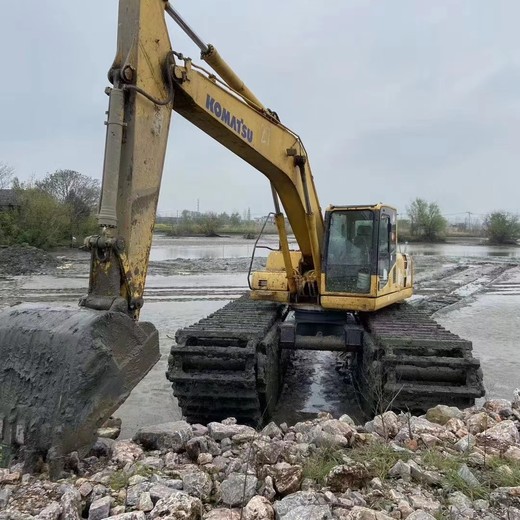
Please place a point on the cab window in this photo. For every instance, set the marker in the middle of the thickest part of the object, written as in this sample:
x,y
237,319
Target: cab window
x,y
349,252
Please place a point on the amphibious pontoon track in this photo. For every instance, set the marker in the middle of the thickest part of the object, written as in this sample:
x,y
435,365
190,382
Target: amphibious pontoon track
x,y
228,364
412,363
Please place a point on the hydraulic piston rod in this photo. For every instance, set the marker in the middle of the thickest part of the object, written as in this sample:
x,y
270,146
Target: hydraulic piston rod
x,y
186,28
211,56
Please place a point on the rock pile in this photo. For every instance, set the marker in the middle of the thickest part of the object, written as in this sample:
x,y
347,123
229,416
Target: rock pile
x,y
449,463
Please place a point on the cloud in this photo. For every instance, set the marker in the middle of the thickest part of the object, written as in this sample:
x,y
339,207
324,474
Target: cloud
x,y
392,99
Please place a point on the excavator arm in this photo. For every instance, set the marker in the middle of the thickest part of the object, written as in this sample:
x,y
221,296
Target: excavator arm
x,y
262,141
137,133
147,84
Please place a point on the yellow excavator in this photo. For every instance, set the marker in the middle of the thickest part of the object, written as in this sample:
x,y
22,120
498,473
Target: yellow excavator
x,y
64,371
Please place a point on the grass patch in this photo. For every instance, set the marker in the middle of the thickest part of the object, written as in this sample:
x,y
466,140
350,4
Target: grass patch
x,y
454,482
143,471
441,462
119,480
380,456
162,228
319,464
496,476
496,473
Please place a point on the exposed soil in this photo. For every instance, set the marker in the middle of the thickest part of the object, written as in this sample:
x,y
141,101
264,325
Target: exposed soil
x,y
20,260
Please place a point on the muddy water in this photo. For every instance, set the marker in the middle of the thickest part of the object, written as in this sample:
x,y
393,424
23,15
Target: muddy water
x,y
479,285
166,248
492,321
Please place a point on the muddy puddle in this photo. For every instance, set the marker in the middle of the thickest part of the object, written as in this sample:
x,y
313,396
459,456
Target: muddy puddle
x,y
475,294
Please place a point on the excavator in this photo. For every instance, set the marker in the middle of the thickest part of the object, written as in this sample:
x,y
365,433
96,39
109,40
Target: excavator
x,y
65,370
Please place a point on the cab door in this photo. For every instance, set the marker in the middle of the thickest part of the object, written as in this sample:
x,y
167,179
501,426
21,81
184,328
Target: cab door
x,y
386,247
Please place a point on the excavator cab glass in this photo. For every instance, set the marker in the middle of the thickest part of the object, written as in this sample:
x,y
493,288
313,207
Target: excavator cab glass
x,y
349,253
387,246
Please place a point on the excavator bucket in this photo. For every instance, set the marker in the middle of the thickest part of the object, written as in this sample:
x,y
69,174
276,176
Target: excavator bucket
x,y
63,372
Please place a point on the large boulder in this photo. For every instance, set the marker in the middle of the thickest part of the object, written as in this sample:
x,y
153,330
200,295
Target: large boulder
x,y
502,407
353,475
441,414
268,452
223,514
479,422
420,515
512,454
286,478
197,484
258,508
418,426
309,513
134,515
171,436
219,431
178,506
499,437
337,427
364,513
100,508
124,452
295,500
386,425
272,430
238,489
506,496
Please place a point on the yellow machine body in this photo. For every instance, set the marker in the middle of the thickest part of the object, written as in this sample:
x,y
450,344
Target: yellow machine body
x,y
376,276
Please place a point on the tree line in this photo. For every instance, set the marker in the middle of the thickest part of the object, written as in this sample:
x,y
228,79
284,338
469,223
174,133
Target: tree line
x,y
426,223
61,207
56,210
210,224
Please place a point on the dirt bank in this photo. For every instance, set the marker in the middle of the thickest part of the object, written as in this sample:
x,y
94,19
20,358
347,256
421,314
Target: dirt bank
x,y
24,260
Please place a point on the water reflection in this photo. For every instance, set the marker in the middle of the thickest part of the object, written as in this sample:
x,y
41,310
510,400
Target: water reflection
x,y
191,248
461,250
167,248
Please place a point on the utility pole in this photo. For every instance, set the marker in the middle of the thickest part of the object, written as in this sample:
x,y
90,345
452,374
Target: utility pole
x,y
198,206
469,220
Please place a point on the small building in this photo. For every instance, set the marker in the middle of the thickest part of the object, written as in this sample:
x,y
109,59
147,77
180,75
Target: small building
x,y
9,200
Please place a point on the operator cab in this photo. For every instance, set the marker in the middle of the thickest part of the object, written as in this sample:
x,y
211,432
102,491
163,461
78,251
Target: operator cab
x,y
360,248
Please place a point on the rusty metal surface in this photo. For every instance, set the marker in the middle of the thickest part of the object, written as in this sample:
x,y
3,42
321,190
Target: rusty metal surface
x,y
63,372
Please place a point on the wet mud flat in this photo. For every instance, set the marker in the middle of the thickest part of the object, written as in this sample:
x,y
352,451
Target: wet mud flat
x,y
476,298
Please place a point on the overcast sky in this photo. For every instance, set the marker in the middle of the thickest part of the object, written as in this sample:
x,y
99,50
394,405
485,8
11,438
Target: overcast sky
x,y
393,99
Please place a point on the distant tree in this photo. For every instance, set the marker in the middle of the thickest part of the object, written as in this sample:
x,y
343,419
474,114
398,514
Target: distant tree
x,y
78,193
223,219
426,220
43,221
502,227
235,219
67,185
6,175
185,215
209,224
